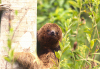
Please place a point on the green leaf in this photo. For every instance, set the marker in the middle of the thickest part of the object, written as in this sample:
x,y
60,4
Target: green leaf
x,y
91,60
46,5
61,46
9,43
91,9
11,31
73,3
68,30
11,54
16,12
57,10
7,59
66,47
58,54
41,19
88,37
61,2
51,1
79,2
96,53
91,16
98,40
92,43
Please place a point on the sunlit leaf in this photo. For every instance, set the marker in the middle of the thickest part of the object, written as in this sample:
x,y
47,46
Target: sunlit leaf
x,y
66,47
88,37
61,46
96,53
73,3
58,54
92,43
79,2
98,40
11,53
68,30
61,2
16,12
57,10
11,31
7,59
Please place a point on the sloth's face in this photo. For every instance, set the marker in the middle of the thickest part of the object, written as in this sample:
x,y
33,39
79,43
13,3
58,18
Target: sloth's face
x,y
50,34
53,31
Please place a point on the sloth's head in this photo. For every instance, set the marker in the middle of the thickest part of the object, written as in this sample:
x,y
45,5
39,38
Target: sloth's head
x,y
50,35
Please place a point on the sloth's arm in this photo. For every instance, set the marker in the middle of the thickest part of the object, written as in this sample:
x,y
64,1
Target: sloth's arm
x,y
26,60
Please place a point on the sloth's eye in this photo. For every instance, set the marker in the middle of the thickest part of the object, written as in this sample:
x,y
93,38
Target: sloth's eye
x,y
48,30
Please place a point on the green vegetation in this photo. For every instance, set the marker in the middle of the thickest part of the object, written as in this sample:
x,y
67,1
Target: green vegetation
x,y
80,23
10,51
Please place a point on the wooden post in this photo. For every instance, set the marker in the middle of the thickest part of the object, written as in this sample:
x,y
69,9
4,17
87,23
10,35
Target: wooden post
x,y
21,15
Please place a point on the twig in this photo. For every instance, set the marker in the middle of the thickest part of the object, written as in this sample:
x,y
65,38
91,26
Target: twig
x,y
19,23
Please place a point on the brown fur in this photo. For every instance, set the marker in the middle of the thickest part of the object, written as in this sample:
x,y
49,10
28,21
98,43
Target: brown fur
x,y
48,38
48,43
27,60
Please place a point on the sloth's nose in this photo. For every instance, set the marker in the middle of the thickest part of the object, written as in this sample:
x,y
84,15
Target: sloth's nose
x,y
52,32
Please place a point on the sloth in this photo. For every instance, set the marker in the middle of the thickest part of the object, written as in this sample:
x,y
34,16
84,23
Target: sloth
x,y
48,37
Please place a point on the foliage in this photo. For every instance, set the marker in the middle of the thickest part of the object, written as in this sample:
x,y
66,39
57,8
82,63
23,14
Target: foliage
x,y
80,22
9,49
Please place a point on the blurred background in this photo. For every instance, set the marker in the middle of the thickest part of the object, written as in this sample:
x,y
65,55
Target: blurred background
x,y
80,23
